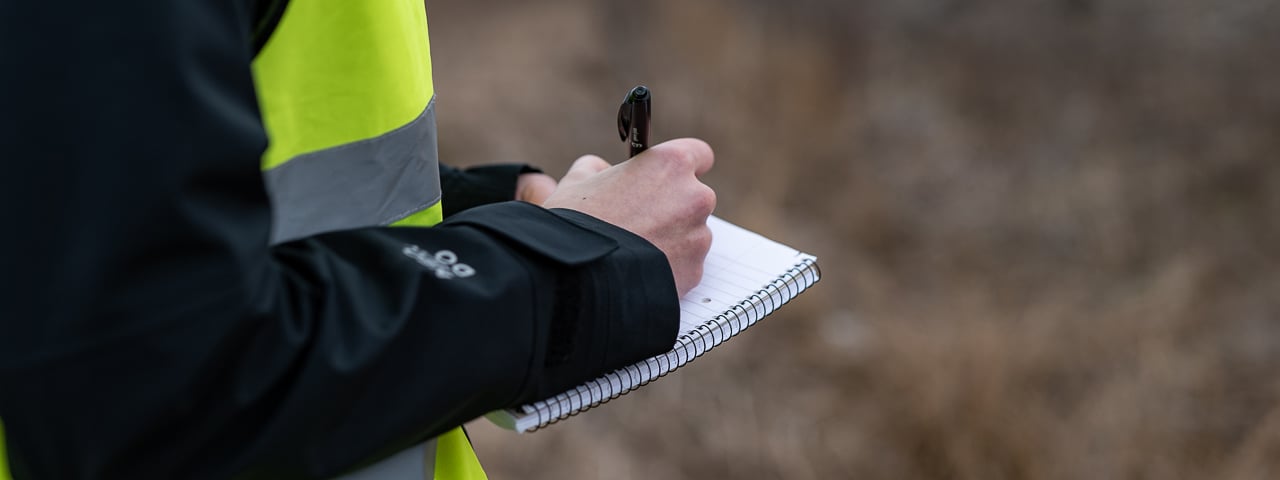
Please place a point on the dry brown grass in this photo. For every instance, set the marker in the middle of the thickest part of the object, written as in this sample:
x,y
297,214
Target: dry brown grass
x,y
1049,229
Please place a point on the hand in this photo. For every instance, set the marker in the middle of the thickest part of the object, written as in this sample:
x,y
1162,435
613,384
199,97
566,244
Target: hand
x,y
656,195
534,187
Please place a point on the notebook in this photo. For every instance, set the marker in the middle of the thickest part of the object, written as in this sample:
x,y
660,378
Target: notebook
x,y
745,278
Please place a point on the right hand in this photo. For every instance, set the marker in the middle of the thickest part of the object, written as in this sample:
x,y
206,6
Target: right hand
x,y
656,195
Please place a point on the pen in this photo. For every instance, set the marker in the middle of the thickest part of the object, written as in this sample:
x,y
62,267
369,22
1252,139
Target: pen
x,y
633,119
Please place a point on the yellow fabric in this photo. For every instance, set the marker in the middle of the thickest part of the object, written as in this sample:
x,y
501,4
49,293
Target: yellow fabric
x,y
455,459
4,456
338,71
422,218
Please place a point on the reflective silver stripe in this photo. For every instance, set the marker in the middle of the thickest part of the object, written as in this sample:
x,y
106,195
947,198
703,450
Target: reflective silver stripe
x,y
374,181
415,463
429,459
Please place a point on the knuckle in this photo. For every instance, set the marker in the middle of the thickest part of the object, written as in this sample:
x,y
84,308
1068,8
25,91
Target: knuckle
x,y
704,240
683,154
708,199
697,203
702,200
697,154
701,149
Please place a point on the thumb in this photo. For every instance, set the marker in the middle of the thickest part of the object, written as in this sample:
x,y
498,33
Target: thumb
x,y
583,168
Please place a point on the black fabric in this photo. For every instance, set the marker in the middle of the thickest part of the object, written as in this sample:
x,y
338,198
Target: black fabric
x,y
480,185
148,331
266,16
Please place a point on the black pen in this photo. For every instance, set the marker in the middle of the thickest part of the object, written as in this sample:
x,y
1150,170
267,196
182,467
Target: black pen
x,y
633,119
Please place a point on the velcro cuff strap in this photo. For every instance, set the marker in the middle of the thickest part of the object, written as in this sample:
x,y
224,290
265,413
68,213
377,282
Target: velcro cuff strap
x,y
542,231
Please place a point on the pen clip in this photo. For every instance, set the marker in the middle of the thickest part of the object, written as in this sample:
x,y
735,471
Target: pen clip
x,y
624,118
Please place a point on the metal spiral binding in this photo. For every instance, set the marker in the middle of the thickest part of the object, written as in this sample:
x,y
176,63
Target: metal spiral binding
x,y
690,345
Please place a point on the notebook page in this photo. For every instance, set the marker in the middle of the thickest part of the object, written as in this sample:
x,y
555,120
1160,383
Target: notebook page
x,y
740,263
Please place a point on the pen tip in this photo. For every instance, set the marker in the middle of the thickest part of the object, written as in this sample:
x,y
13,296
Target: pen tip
x,y
640,92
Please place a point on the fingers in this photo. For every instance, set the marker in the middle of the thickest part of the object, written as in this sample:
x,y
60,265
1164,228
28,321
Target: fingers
x,y
583,168
691,152
534,187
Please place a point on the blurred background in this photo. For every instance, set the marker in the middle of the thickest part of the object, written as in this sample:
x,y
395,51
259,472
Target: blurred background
x,y
1048,229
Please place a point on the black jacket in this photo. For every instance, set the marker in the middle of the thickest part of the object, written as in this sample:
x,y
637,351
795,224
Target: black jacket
x,y
148,331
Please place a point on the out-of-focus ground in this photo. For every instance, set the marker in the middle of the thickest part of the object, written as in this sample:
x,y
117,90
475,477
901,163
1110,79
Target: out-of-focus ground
x,y
1049,229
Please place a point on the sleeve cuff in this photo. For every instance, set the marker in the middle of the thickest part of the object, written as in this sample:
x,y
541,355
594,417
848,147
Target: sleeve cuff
x,y
482,185
613,300
625,309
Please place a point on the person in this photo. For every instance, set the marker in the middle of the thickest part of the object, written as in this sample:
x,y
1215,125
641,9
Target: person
x,y
188,299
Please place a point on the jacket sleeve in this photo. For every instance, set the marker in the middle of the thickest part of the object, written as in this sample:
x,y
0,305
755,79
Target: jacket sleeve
x,y
150,332
479,185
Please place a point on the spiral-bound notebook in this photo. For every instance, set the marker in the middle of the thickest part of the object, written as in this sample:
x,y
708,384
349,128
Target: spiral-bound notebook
x,y
745,278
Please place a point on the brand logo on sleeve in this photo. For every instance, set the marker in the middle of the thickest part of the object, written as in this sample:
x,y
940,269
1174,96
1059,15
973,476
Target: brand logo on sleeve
x,y
444,262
